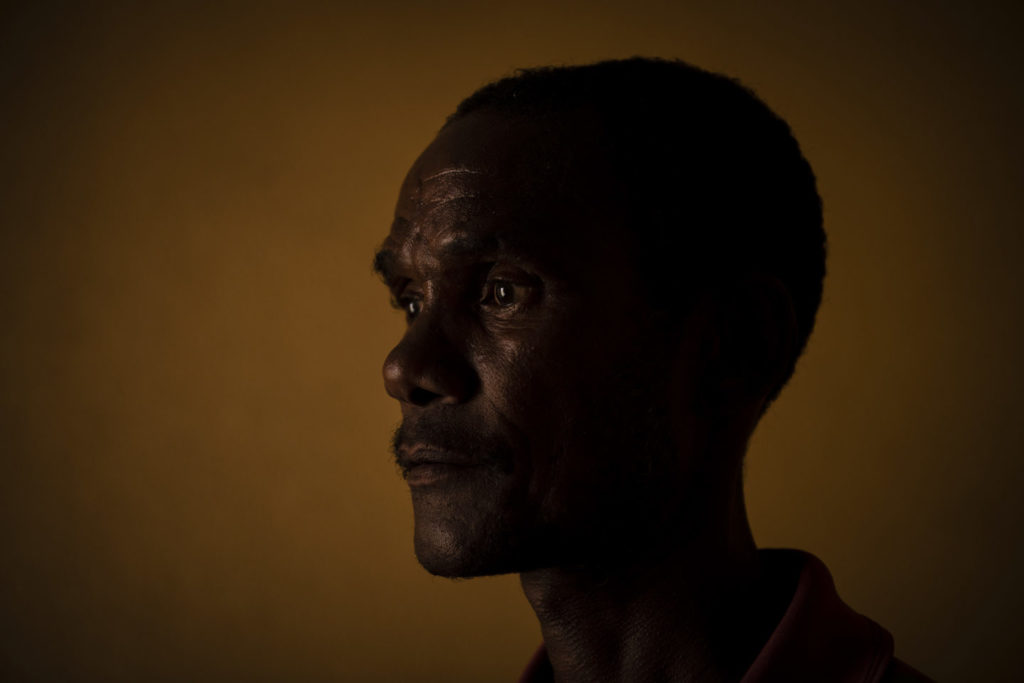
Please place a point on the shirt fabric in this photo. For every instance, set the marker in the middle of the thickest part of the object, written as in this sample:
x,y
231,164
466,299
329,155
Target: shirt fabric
x,y
819,639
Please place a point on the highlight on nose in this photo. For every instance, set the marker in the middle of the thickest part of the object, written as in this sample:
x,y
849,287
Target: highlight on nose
x,y
403,386
420,371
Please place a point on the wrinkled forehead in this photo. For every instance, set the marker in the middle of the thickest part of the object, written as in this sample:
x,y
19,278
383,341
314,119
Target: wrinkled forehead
x,y
543,180
485,154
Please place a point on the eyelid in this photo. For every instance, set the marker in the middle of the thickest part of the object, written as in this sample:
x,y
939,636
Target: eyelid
x,y
528,289
399,301
402,295
397,285
504,272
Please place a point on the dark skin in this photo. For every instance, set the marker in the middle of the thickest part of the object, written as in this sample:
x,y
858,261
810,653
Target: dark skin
x,y
550,426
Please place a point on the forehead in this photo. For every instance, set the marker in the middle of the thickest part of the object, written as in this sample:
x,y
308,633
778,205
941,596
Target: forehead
x,y
508,182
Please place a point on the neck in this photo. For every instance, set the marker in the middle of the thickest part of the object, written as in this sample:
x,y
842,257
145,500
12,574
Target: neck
x,y
701,610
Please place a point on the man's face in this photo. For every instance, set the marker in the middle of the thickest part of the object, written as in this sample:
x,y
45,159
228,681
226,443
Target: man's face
x,y
532,387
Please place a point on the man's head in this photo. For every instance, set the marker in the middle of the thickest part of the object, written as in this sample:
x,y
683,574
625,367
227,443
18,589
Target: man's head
x,y
608,271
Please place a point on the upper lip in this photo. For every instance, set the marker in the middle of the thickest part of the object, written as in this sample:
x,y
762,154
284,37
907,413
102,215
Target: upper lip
x,y
423,453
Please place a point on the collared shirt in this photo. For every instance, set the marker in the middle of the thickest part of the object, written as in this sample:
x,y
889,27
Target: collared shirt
x,y
819,639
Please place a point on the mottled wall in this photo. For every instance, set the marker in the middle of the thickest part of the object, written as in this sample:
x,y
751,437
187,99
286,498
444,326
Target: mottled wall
x,y
194,479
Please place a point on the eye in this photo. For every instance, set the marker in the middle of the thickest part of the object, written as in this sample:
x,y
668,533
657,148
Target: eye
x,y
502,293
409,305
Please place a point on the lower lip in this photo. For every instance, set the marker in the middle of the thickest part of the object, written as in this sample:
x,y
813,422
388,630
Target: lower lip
x,y
430,473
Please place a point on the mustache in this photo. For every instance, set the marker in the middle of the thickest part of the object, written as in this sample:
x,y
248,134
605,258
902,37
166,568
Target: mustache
x,y
447,433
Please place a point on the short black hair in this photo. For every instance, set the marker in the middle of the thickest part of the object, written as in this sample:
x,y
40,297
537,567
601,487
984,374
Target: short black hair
x,y
710,176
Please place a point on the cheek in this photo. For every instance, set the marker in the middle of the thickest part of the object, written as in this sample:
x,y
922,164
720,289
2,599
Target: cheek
x,y
528,383
516,379
533,377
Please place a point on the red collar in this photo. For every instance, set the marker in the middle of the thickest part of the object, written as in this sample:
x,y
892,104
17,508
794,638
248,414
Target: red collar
x,y
820,638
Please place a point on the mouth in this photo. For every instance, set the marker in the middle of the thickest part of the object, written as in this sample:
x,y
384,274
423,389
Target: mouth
x,y
425,465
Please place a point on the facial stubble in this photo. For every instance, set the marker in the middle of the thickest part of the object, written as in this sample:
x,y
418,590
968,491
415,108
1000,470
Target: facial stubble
x,y
614,489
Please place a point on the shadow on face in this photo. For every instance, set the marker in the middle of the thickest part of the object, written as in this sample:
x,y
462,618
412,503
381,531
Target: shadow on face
x,y
540,391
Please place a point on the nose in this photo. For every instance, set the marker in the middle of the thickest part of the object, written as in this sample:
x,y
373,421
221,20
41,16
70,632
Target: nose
x,y
427,367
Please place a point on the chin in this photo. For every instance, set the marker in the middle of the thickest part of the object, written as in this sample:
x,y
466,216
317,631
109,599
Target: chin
x,y
467,536
448,553
470,525
452,566
474,543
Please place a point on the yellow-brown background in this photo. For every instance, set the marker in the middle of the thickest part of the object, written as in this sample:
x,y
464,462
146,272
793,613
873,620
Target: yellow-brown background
x,y
194,481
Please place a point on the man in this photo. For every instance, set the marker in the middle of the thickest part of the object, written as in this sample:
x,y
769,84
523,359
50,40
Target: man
x,y
608,273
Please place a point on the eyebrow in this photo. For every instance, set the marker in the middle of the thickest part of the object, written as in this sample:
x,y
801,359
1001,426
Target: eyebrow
x,y
384,265
459,247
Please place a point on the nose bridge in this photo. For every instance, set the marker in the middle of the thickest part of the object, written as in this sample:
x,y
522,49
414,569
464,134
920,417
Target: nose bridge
x,y
430,363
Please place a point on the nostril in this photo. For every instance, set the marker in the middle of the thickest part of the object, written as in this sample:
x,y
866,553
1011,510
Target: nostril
x,y
421,397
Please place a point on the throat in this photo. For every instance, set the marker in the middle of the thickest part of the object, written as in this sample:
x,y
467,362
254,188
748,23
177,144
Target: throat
x,y
677,620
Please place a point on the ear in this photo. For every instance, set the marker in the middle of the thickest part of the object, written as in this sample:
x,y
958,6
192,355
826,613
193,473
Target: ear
x,y
754,340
